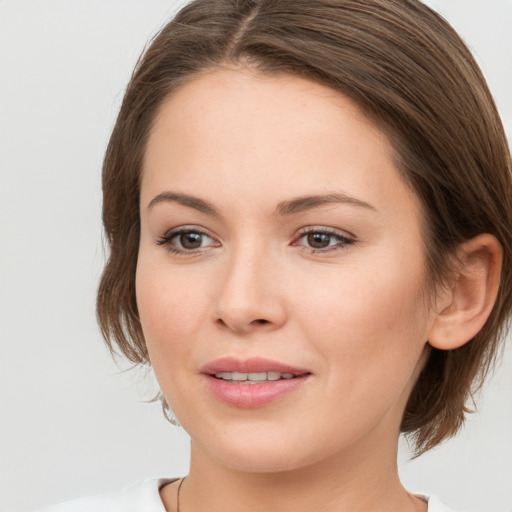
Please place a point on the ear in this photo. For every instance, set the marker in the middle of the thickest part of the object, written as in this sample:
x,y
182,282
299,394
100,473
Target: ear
x,y
465,305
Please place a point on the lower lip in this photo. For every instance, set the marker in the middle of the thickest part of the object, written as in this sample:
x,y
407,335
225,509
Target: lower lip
x,y
248,396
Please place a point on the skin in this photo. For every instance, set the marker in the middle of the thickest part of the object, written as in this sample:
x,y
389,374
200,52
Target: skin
x,y
353,313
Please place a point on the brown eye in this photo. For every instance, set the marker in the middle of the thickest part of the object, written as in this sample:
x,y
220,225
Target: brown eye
x,y
319,240
190,240
185,240
323,240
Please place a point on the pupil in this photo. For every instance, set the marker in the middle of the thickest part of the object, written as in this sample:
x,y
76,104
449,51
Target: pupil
x,y
318,240
191,240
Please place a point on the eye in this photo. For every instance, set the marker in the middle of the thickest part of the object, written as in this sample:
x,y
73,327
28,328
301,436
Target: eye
x,y
319,240
190,240
186,240
322,240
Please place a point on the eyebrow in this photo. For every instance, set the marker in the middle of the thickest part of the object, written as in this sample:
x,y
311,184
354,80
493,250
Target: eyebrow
x,y
289,207
305,203
185,200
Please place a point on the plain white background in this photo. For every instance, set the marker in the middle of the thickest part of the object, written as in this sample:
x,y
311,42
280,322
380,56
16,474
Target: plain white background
x,y
72,423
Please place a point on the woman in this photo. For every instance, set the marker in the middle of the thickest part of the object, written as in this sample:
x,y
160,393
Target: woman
x,y
308,207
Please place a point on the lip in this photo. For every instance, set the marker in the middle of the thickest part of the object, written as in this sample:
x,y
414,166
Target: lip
x,y
254,364
248,396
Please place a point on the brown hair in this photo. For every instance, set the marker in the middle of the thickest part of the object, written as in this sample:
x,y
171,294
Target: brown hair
x,y
412,74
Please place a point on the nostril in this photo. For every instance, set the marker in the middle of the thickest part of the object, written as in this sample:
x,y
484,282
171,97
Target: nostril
x,y
261,321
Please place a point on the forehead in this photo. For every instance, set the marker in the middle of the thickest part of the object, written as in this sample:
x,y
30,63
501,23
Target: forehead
x,y
266,137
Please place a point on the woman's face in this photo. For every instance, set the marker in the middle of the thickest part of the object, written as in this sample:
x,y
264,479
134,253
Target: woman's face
x,y
278,242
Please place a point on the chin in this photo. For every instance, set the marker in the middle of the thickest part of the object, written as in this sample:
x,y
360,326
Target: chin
x,y
260,450
254,461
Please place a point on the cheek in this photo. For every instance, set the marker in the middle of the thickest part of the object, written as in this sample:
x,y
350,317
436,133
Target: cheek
x,y
374,324
170,308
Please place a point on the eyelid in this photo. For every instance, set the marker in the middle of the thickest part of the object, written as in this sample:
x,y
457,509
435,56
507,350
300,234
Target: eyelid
x,y
326,229
345,239
165,239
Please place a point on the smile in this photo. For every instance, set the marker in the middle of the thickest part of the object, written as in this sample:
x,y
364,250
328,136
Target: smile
x,y
252,383
253,378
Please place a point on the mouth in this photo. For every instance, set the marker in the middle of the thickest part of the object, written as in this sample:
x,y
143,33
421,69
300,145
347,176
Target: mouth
x,y
252,382
254,377
253,370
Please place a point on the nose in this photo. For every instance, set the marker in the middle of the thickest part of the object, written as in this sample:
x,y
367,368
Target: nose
x,y
250,294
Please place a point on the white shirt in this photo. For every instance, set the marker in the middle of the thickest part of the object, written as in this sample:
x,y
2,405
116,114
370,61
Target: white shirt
x,y
145,497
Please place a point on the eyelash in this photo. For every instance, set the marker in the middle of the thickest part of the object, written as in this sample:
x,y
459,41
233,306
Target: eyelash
x,y
166,240
343,241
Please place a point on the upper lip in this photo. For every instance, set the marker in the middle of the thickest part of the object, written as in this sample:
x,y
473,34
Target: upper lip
x,y
251,365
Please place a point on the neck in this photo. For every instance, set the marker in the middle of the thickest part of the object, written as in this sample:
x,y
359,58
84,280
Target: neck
x,y
343,483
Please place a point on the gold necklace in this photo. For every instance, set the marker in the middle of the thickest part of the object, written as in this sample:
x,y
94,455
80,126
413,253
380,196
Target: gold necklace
x,y
178,495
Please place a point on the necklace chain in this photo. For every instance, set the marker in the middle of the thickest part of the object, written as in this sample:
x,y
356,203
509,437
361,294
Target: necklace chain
x,y
178,495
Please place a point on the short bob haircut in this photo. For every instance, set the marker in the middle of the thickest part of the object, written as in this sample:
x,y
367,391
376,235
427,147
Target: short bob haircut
x,y
413,76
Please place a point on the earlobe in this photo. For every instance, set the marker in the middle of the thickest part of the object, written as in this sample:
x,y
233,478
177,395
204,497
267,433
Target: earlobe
x,y
467,302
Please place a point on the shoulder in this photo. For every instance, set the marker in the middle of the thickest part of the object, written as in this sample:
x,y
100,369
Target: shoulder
x,y
142,497
145,497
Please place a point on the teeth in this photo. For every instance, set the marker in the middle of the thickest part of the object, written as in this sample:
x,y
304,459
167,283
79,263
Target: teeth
x,y
253,377
257,376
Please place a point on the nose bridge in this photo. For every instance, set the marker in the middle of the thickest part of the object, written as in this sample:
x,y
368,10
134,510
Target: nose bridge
x,y
248,297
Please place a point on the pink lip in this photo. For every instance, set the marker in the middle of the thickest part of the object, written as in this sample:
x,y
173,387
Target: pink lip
x,y
252,365
251,395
